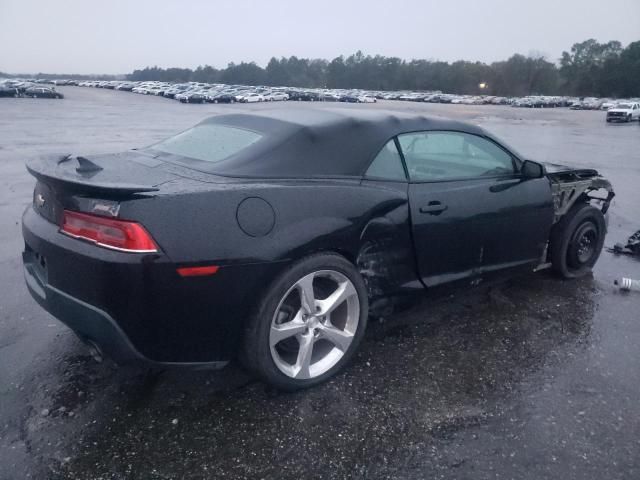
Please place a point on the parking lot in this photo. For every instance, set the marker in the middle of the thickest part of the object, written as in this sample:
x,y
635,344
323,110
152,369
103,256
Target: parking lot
x,y
534,378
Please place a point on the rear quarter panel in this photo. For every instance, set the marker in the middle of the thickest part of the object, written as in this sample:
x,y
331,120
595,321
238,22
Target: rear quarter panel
x,y
367,222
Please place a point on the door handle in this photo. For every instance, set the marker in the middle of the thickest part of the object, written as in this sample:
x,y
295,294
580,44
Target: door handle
x,y
433,208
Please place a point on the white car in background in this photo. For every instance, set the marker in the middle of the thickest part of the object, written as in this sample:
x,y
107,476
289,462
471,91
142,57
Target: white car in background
x,y
367,99
240,94
252,98
143,89
275,97
607,104
624,112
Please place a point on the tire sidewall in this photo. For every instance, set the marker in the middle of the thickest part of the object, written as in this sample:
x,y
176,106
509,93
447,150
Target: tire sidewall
x,y
257,352
563,233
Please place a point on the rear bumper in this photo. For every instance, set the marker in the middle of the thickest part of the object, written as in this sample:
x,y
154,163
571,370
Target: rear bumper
x,y
90,323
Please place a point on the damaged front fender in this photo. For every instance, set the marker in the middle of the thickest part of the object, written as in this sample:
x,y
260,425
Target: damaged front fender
x,y
568,186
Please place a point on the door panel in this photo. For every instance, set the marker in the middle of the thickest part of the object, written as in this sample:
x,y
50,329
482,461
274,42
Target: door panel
x,y
478,226
518,222
447,241
472,213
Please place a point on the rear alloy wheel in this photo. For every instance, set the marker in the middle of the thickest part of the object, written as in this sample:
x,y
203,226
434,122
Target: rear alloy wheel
x,y
577,240
309,324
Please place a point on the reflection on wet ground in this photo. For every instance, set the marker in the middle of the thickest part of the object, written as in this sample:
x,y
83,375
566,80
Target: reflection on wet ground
x,y
533,378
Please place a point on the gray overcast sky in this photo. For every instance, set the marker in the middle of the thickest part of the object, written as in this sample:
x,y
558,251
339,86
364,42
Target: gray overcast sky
x,y
116,36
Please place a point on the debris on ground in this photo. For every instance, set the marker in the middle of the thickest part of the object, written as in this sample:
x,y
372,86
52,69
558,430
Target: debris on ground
x,y
628,284
631,248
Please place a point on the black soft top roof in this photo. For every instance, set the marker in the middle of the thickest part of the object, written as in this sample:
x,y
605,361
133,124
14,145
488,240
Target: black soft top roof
x,y
318,142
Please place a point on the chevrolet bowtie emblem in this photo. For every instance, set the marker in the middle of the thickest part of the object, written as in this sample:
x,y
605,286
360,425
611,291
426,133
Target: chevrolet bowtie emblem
x,y
40,201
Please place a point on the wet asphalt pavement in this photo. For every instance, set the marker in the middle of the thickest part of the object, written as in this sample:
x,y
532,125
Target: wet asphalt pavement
x,y
535,378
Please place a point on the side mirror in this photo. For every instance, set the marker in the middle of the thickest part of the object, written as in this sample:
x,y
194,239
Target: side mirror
x,y
532,169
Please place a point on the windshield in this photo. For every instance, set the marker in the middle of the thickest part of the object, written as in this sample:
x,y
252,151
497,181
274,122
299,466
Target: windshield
x,y
623,105
208,142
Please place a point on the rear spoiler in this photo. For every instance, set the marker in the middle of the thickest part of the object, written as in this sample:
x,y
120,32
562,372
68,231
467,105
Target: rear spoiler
x,y
59,171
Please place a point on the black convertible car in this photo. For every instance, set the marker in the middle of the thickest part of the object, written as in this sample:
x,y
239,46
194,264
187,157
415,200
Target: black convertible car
x,y
274,236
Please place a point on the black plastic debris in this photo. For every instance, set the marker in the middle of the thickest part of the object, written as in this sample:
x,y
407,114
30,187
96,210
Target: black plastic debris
x,y
631,248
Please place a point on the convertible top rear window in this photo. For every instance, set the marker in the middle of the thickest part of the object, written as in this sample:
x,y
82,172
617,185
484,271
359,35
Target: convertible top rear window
x,y
208,142
295,142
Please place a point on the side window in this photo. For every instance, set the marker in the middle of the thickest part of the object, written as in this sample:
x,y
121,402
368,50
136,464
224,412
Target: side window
x,y
387,164
436,155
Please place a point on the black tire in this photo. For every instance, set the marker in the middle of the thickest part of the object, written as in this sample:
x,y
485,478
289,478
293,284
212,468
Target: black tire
x,y
629,118
576,241
256,353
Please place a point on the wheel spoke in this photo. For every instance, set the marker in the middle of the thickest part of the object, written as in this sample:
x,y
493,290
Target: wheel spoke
x,y
303,361
286,330
333,301
339,338
307,297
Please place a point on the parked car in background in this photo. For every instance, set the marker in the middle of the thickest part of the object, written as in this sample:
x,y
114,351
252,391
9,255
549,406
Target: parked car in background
x,y
303,95
624,112
349,98
223,97
252,97
9,92
367,99
42,92
607,104
174,90
125,87
275,96
192,97
329,97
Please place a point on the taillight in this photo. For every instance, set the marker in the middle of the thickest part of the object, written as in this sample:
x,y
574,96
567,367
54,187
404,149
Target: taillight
x,y
108,232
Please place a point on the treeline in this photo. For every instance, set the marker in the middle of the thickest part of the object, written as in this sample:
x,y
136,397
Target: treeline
x,y
590,68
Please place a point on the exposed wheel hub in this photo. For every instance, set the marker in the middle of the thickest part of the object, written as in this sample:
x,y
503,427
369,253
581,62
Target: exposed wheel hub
x,y
583,245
